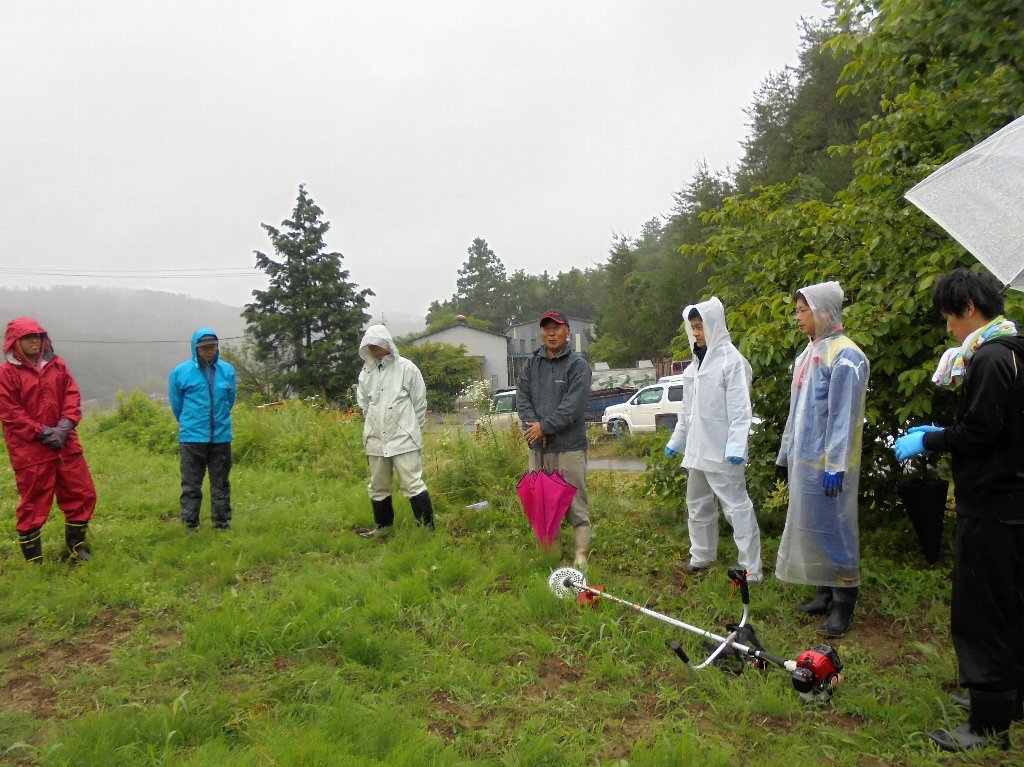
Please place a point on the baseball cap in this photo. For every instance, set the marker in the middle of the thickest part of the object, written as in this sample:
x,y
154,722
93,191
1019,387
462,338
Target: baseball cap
x,y
554,316
207,340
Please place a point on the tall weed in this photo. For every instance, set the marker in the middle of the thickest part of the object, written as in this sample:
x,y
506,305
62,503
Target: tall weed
x,y
466,467
296,436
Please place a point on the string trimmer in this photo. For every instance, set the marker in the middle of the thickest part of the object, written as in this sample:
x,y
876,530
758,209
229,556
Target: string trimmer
x,y
815,672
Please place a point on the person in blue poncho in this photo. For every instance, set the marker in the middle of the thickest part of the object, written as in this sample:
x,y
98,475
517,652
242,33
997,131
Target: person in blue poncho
x,y
202,391
820,458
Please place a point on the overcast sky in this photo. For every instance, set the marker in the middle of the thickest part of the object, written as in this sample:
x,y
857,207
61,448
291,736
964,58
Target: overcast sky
x,y
138,136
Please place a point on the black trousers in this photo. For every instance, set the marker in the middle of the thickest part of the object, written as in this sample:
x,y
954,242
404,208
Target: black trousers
x,y
196,459
987,616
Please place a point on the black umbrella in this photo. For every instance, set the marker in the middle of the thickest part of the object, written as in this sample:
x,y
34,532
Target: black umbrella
x,y
925,501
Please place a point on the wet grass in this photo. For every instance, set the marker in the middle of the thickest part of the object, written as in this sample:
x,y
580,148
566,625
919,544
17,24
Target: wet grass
x,y
292,641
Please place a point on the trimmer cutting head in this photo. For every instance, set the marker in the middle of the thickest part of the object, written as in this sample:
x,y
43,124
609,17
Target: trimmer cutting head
x,y
566,581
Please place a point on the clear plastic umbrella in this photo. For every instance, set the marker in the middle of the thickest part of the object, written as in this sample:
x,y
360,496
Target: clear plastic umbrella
x,y
978,197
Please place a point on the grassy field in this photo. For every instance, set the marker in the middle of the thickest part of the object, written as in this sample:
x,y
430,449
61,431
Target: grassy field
x,y
292,641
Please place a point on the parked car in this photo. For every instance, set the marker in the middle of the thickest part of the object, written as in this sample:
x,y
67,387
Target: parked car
x,y
600,399
503,413
653,407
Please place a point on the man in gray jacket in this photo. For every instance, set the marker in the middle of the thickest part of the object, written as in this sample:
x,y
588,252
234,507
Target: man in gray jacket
x,y
551,396
393,398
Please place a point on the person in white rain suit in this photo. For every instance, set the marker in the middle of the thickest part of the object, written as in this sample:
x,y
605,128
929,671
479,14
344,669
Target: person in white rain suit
x,y
711,433
393,398
820,458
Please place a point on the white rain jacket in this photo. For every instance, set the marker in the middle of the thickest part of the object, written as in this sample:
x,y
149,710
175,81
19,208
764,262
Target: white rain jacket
x,y
392,396
716,415
820,542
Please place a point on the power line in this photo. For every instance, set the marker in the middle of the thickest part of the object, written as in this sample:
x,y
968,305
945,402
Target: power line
x,y
139,274
26,270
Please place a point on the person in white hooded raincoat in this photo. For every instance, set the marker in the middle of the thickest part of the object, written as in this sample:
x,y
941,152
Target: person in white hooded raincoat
x,y
393,398
711,434
820,458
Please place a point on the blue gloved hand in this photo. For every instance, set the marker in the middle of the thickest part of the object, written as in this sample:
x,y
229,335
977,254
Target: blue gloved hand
x,y
735,459
910,445
833,483
924,429
670,452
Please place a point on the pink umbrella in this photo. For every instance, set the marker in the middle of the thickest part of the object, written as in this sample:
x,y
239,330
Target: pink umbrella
x,y
546,498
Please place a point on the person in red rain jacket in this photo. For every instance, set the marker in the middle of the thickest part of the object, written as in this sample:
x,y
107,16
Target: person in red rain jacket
x,y
40,406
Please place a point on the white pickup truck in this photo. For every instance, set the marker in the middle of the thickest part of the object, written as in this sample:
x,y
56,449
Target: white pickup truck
x,y
653,407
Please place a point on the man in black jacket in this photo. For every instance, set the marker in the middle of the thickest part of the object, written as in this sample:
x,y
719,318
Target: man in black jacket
x,y
551,397
986,445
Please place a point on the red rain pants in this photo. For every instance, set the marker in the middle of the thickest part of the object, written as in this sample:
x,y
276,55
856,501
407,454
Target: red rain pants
x,y
67,478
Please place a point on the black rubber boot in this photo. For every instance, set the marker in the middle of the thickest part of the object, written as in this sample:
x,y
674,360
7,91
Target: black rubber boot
x,y
840,614
987,727
963,700
819,604
32,545
423,510
383,517
77,550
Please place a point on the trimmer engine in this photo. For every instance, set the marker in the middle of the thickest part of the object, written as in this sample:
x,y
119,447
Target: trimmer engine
x,y
817,671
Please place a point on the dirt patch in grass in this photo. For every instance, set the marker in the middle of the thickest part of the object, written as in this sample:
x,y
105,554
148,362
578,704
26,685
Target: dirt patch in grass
x,y
502,584
450,718
554,672
886,642
622,735
35,673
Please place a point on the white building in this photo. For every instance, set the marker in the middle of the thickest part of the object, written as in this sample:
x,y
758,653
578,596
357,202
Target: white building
x,y
489,349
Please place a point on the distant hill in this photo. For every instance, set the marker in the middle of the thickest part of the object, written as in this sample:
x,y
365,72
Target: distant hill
x,y
115,338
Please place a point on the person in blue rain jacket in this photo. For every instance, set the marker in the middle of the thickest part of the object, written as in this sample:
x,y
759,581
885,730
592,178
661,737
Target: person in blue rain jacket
x,y
202,392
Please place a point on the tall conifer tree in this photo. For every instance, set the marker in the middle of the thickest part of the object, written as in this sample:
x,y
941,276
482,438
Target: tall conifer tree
x,y
308,321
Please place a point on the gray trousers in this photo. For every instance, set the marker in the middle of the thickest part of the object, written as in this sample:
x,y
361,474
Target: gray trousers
x,y
196,459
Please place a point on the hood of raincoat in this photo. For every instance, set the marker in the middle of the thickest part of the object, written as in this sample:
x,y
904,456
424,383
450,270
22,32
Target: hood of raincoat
x,y
195,343
826,302
712,313
18,329
376,335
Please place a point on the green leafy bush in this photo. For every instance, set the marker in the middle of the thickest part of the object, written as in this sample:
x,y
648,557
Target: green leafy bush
x,y
141,422
446,370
